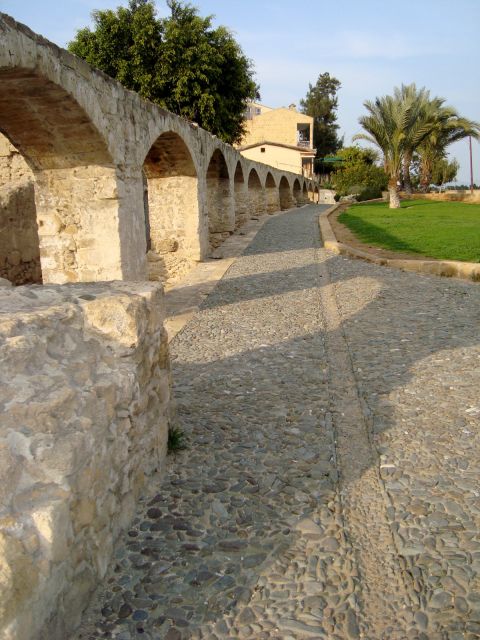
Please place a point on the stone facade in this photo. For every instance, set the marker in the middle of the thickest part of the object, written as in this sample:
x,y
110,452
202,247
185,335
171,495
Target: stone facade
x,y
92,145
277,125
282,138
85,391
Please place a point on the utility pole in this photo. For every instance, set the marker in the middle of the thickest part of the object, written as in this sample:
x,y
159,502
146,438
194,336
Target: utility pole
x,y
471,165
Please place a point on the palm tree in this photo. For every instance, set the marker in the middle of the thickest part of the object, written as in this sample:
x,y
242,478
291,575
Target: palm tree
x,y
418,99
448,127
411,121
395,127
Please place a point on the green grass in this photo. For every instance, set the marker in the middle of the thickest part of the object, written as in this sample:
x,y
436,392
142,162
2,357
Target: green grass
x,y
443,230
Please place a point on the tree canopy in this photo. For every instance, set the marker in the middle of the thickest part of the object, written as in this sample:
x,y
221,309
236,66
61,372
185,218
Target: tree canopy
x,y
321,103
358,174
180,62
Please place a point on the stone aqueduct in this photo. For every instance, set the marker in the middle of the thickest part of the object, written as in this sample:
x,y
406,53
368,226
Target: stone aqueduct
x,y
123,192
95,149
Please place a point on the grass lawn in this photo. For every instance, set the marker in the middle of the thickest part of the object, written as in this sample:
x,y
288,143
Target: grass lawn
x,y
446,230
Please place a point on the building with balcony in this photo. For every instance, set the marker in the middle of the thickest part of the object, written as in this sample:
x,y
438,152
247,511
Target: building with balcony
x,y
280,137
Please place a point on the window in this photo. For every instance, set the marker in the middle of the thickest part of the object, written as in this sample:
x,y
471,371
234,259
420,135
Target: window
x,y
262,149
258,111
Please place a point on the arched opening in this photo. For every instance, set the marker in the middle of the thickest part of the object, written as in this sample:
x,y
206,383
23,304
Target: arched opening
x,y
172,213
297,193
271,194
255,194
304,193
75,179
284,191
19,242
219,200
241,197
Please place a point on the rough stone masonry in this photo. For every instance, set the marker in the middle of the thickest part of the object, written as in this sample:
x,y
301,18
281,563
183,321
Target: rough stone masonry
x,y
84,392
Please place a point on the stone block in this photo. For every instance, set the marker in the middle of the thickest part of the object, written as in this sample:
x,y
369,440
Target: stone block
x,y
76,441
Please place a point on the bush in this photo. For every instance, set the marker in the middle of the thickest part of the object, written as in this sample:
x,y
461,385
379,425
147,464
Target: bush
x,y
369,193
358,175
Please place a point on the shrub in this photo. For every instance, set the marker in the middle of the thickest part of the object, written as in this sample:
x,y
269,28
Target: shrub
x,y
358,175
176,440
369,193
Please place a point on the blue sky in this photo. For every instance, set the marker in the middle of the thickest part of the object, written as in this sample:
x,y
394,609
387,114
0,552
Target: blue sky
x,y
369,45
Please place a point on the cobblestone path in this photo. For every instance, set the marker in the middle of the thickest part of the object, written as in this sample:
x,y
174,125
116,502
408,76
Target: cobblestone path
x,y
330,488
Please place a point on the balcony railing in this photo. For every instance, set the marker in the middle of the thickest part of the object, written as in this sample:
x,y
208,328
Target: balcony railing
x,y
304,143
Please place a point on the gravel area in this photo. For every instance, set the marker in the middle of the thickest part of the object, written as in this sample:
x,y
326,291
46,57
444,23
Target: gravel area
x,y
330,485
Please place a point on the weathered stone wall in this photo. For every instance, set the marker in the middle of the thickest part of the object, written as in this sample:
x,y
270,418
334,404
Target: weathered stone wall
x,y
257,204
13,167
242,212
272,195
19,243
297,193
172,201
85,394
451,196
219,200
285,195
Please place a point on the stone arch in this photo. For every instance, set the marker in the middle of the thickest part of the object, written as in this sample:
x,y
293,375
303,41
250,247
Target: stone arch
x,y
219,200
241,196
171,208
285,195
271,194
305,193
255,194
297,193
75,179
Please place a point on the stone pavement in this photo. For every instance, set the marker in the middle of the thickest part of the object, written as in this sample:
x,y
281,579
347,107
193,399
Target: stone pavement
x,y
330,486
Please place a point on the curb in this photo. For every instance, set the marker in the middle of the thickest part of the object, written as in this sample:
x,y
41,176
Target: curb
x,y
445,268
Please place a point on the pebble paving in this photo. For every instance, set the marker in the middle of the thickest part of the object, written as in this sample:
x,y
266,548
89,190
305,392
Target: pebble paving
x,y
330,488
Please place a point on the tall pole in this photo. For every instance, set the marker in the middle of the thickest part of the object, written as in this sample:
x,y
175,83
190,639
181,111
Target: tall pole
x,y
471,165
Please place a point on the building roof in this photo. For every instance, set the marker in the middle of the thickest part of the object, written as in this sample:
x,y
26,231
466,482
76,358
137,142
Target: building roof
x,y
304,150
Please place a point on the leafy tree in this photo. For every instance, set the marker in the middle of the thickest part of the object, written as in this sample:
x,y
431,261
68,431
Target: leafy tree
x,y
180,62
358,174
444,171
321,103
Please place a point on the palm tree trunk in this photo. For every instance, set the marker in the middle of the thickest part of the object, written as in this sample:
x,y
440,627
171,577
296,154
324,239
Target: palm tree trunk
x,y
393,191
425,176
425,183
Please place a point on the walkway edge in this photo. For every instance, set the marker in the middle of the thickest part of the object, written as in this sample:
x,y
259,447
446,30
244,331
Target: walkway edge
x,y
445,268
